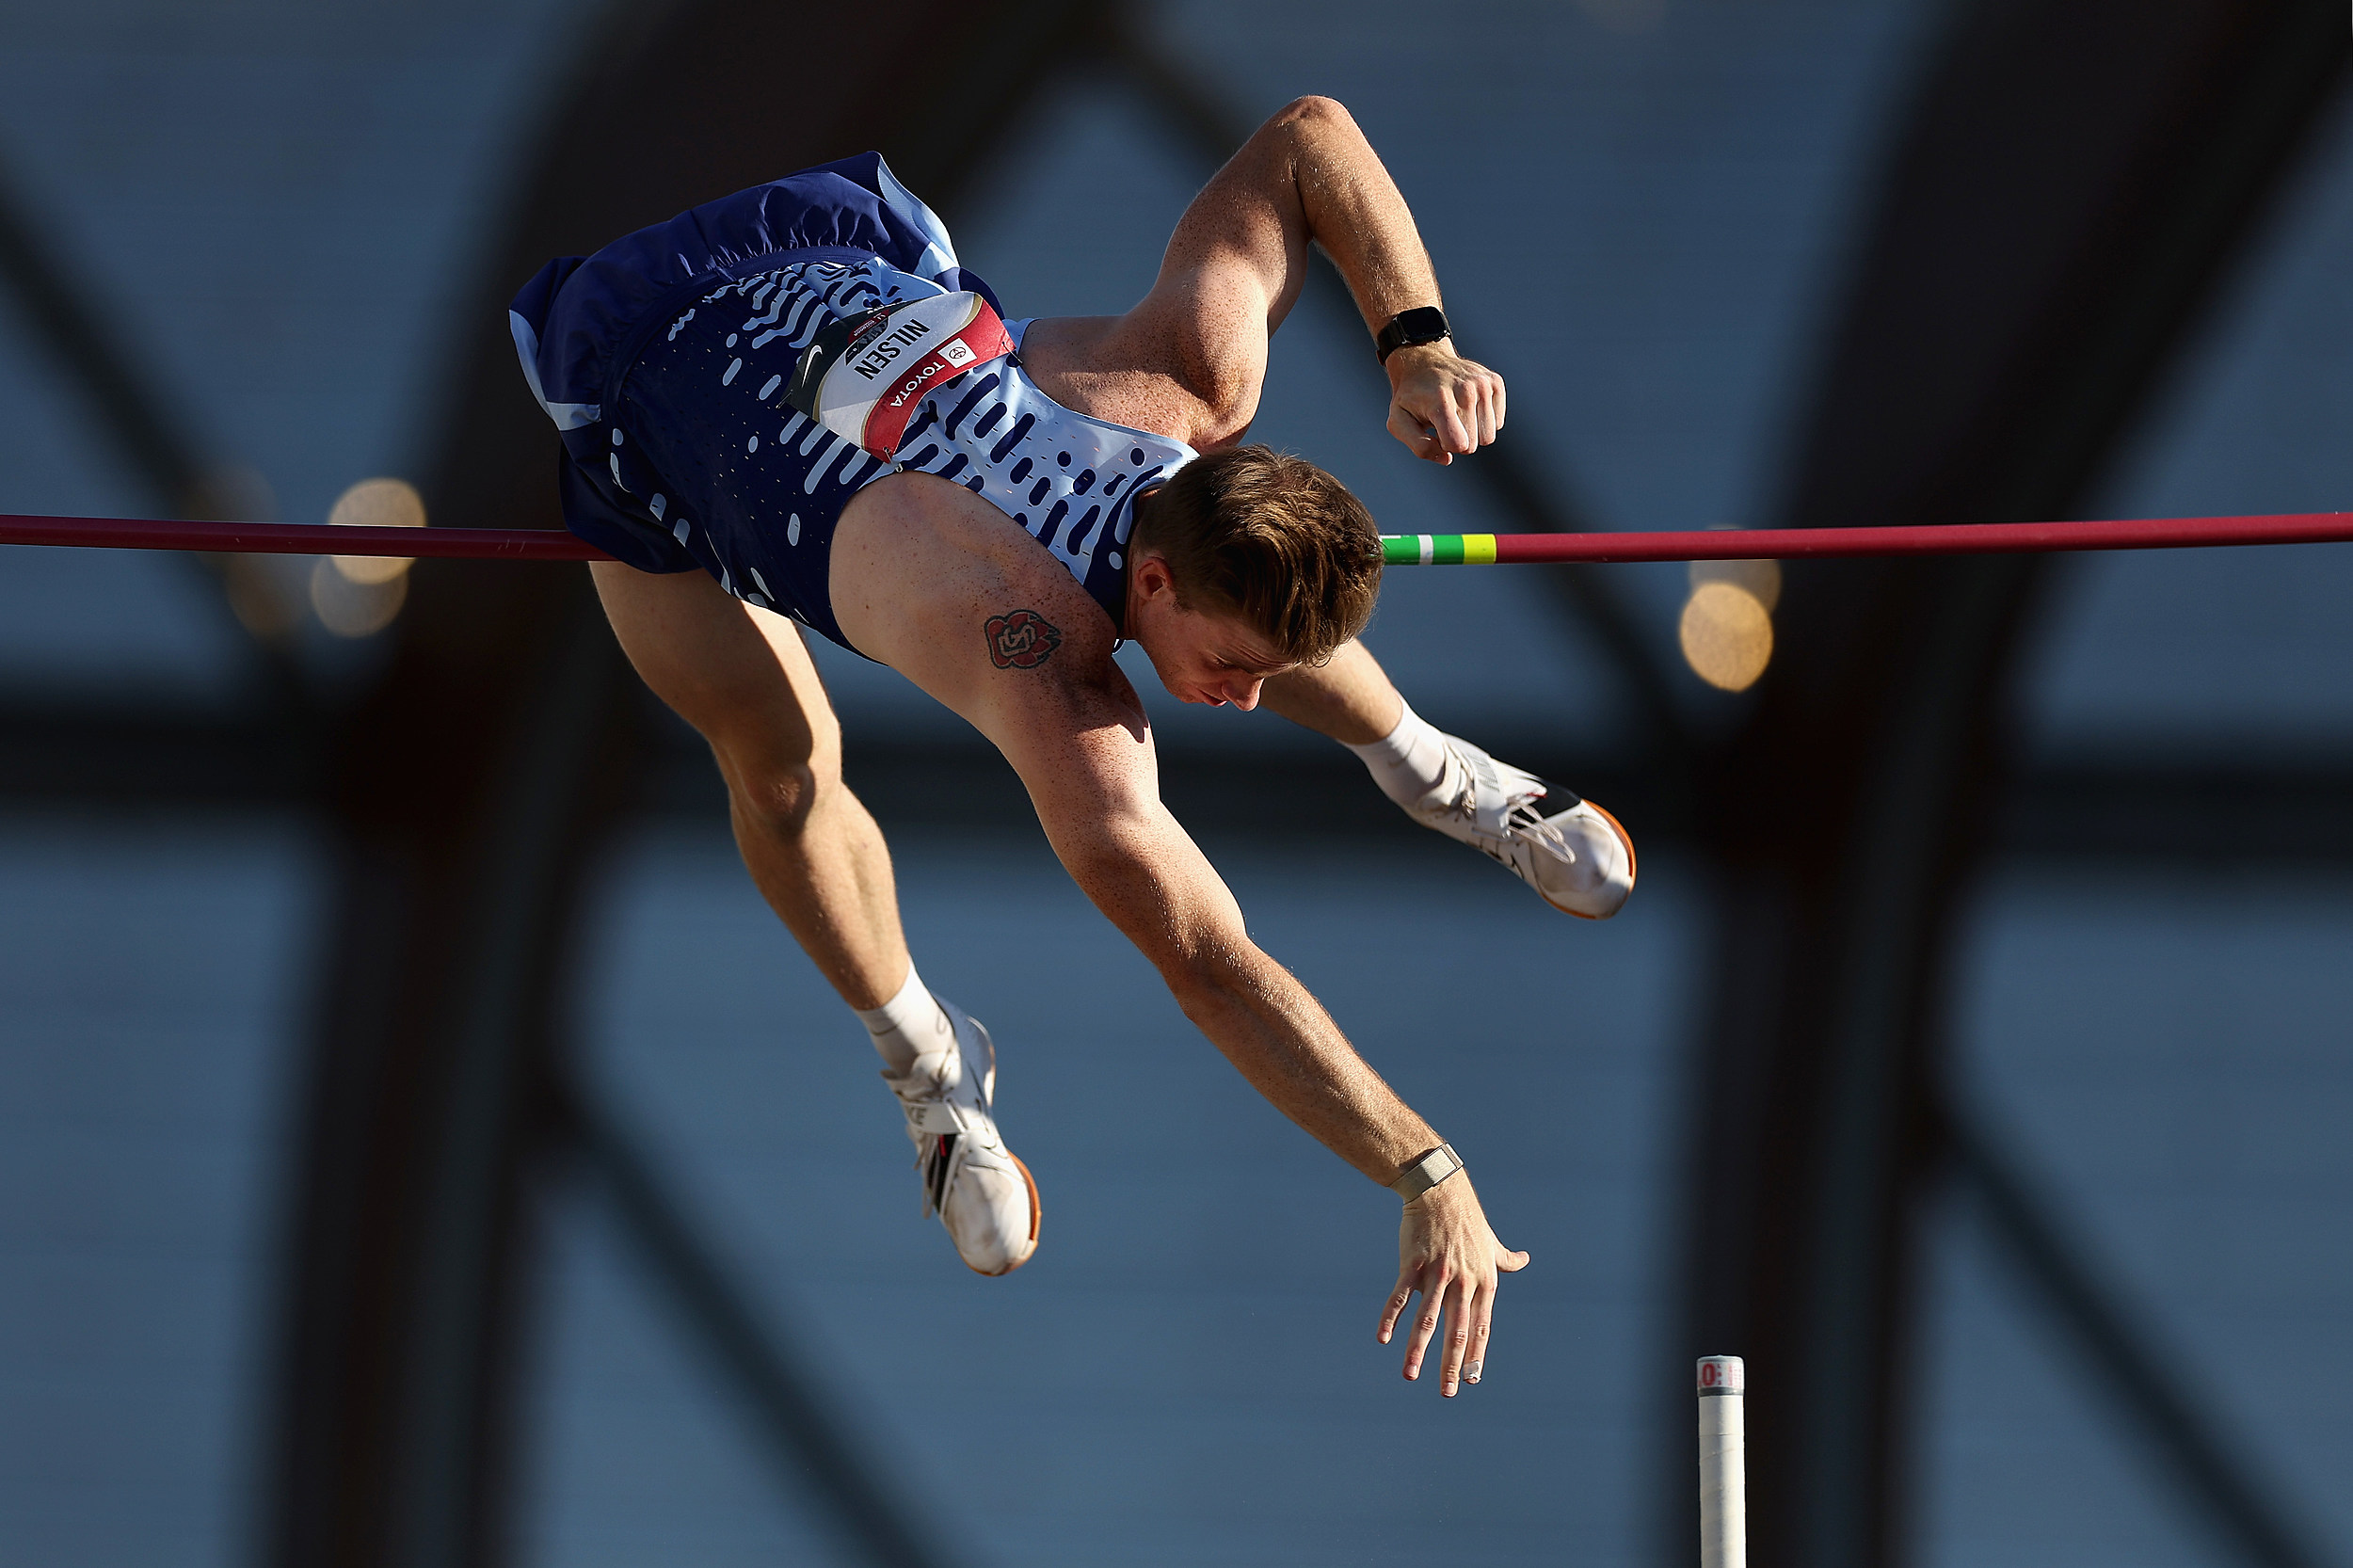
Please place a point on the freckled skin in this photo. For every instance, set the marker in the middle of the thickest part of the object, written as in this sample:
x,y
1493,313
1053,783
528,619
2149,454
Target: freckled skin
x,y
920,570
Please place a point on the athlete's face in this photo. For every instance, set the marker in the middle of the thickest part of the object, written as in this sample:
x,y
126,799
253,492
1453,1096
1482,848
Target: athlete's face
x,y
1200,657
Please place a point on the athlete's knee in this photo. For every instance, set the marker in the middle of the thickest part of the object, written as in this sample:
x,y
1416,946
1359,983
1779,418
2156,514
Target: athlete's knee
x,y
783,782
781,799
777,799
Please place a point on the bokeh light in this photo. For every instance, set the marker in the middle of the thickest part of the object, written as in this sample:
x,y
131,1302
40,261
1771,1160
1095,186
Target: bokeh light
x,y
351,609
265,601
375,504
1760,579
1727,636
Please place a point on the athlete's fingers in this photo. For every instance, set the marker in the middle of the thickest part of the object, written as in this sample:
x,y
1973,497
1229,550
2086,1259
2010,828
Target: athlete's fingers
x,y
1509,1261
1483,1319
1471,407
1434,1280
1490,407
1451,418
1440,411
1408,427
1499,402
1395,1307
1482,413
1461,1298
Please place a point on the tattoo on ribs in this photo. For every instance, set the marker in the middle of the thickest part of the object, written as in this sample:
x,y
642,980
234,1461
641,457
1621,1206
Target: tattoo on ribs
x,y
1020,639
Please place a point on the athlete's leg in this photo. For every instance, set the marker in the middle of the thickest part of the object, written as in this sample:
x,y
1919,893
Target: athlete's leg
x,y
1572,852
740,676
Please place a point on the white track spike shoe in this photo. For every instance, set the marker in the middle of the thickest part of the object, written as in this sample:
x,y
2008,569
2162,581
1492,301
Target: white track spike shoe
x,y
1571,851
981,1193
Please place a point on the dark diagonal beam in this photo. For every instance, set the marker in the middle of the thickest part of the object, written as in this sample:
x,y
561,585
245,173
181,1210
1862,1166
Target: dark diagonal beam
x,y
2067,183
2146,1386
815,1453
133,417
128,410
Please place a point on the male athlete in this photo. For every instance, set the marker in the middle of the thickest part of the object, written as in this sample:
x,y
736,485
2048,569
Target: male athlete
x,y
799,392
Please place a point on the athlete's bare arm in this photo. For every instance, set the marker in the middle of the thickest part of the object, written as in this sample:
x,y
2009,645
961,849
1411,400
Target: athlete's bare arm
x,y
1189,360
953,595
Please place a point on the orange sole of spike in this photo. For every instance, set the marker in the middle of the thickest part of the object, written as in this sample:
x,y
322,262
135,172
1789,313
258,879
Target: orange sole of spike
x,y
1631,868
1038,1212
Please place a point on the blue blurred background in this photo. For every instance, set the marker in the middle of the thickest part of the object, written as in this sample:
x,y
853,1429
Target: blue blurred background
x,y
1642,212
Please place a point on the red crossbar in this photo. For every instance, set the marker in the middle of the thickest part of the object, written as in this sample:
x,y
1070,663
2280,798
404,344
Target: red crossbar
x,y
1978,538
518,544
298,538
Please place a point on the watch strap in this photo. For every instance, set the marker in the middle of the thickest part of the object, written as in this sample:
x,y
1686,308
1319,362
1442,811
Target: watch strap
x,y
1422,324
1422,1173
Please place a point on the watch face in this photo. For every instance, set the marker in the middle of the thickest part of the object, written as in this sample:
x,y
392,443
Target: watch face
x,y
1423,324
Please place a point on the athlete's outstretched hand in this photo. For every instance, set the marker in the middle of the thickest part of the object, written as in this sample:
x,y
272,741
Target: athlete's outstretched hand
x,y
1441,404
1448,1252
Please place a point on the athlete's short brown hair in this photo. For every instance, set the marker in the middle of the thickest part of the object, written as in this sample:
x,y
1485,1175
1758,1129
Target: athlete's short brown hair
x,y
1272,539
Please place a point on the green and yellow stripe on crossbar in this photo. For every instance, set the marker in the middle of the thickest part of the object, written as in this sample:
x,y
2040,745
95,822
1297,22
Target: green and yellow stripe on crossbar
x,y
1438,550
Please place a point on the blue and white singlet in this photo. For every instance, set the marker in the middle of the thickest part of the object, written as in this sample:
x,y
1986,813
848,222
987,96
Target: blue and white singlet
x,y
664,359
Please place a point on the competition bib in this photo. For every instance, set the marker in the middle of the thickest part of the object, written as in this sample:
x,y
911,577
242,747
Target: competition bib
x,y
863,376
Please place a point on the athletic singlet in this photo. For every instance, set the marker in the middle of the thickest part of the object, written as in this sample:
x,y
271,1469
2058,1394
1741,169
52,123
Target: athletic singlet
x,y
1068,478
703,463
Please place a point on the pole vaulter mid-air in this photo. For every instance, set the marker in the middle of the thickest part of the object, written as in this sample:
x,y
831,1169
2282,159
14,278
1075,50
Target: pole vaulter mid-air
x,y
795,404
793,410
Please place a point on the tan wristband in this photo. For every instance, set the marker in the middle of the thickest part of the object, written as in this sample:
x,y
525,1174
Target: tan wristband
x,y
1425,1172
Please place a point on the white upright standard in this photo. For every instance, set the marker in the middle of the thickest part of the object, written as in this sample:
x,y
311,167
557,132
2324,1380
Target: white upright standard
x,y
1723,1464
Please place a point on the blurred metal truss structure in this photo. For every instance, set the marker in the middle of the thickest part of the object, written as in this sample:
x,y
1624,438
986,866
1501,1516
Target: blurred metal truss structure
x,y
2066,187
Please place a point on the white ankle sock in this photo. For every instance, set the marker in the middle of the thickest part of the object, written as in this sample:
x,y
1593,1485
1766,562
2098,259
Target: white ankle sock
x,y
1408,762
907,1025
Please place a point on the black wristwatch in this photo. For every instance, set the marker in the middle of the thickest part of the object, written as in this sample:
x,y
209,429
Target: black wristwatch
x,y
1422,324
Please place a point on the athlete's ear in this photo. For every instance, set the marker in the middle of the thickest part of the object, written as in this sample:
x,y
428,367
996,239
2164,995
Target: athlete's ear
x,y
1152,576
